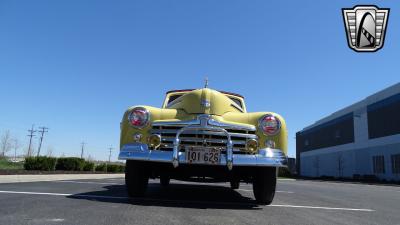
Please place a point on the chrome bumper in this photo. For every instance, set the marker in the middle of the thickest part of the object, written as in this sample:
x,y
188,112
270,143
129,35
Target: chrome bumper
x,y
264,157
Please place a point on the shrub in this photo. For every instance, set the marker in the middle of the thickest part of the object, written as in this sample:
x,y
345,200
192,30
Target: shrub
x,y
9,165
121,168
70,163
110,168
40,163
113,168
284,172
101,167
88,166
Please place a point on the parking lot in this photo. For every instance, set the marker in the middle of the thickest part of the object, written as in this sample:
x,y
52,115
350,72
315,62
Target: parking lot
x,y
104,201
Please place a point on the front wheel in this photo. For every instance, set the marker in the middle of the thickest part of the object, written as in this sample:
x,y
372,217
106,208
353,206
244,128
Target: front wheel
x,y
164,181
136,178
264,184
234,184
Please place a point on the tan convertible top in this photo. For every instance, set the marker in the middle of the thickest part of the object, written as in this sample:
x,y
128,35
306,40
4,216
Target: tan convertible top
x,y
186,90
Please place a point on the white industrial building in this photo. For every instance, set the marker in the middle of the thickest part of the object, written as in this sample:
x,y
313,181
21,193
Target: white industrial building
x,y
362,140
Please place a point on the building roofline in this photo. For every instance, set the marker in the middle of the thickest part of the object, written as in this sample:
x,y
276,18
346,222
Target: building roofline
x,y
377,96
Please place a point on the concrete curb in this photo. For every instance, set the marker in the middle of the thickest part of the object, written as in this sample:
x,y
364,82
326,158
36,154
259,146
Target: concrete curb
x,y
54,177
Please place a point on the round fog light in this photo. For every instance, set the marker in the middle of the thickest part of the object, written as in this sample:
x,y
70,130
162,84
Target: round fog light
x,y
154,140
270,144
252,145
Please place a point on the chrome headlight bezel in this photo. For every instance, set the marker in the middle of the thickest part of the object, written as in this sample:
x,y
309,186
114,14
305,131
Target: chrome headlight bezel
x,y
147,120
262,124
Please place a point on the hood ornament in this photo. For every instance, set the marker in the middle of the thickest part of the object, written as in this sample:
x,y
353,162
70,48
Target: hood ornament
x,y
205,103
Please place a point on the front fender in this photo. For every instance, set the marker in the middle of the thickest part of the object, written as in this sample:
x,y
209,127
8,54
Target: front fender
x,y
127,131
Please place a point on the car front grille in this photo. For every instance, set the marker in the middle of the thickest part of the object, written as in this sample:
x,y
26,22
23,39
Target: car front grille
x,y
203,137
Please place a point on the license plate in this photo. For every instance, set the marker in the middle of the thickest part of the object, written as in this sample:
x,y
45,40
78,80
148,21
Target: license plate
x,y
202,155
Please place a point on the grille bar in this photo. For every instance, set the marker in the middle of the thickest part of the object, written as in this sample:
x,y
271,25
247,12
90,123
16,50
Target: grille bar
x,y
173,132
169,146
200,140
203,137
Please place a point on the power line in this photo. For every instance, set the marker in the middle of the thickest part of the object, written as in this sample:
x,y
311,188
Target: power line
x,y
41,131
82,149
30,135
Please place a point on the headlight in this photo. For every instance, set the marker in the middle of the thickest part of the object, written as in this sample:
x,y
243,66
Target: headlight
x,y
139,117
269,125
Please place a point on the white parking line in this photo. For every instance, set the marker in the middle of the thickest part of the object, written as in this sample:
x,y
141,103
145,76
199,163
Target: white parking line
x,y
321,207
288,192
286,179
62,194
85,182
180,201
35,193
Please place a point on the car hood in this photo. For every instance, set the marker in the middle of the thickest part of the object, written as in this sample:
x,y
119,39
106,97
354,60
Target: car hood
x,y
204,101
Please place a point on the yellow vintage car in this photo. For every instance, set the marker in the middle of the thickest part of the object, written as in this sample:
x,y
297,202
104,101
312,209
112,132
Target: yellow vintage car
x,y
203,134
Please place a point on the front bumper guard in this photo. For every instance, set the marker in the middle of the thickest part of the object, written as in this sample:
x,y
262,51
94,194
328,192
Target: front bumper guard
x,y
266,157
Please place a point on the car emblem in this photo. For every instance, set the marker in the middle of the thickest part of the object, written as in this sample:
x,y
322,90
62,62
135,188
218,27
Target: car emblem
x,y
205,103
365,27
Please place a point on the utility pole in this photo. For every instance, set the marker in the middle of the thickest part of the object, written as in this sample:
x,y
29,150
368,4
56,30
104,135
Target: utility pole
x,y
30,135
109,157
82,149
17,145
41,131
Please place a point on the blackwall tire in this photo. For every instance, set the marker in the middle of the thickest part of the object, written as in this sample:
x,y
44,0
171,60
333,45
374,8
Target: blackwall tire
x,y
235,185
264,185
164,181
136,178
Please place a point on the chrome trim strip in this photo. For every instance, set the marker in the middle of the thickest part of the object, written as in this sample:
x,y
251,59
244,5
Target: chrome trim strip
x,y
158,131
213,122
167,145
210,121
214,141
266,157
175,123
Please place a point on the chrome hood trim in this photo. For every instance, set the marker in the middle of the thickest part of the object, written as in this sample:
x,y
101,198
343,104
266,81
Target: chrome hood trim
x,y
205,120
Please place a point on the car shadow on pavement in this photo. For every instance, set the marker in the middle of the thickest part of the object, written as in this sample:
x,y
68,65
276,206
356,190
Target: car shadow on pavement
x,y
175,195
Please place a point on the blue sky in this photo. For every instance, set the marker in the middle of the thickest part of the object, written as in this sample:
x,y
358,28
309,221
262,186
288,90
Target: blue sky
x,y
75,66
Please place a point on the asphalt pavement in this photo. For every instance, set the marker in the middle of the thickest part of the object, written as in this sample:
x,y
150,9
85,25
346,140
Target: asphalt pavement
x,y
104,201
